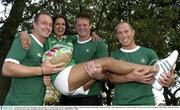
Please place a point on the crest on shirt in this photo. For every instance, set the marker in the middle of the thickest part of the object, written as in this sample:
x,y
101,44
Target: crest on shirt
x,y
39,55
87,50
69,43
143,60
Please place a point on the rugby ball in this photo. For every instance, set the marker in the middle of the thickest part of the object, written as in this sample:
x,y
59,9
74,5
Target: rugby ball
x,y
60,54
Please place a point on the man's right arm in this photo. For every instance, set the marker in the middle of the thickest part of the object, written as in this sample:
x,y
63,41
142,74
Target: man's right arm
x,y
11,69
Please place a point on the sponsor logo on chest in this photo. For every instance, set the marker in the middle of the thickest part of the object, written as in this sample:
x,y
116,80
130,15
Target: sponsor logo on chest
x,y
143,60
39,55
69,43
87,50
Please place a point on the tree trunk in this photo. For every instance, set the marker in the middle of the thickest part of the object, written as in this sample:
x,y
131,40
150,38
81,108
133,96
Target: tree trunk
x,y
7,35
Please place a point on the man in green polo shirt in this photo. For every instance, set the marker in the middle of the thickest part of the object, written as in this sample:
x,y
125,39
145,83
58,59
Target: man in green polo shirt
x,y
85,49
24,65
134,92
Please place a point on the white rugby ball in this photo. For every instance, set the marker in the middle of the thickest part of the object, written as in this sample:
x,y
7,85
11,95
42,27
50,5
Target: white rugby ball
x,y
60,54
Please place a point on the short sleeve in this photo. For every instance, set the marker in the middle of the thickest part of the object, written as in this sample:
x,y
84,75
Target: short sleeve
x,y
16,52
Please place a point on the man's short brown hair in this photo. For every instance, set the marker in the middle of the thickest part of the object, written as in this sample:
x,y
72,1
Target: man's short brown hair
x,y
85,16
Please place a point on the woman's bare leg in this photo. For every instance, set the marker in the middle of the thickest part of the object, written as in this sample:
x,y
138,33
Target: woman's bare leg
x,y
78,76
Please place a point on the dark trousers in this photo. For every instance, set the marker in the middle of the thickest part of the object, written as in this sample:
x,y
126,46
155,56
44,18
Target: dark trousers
x,y
81,100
